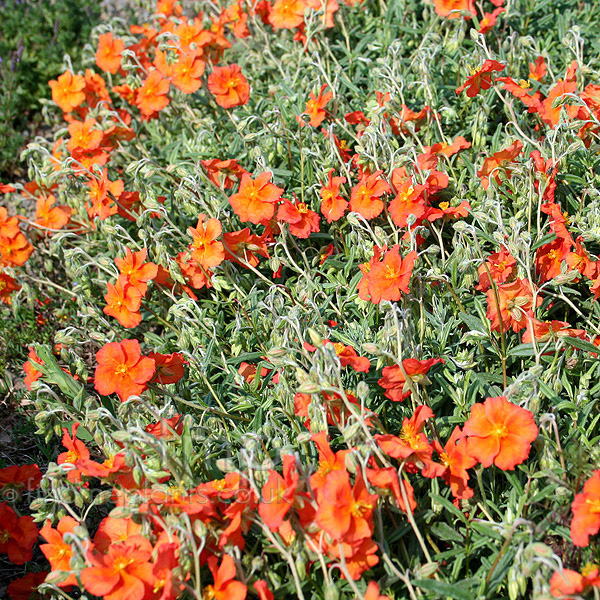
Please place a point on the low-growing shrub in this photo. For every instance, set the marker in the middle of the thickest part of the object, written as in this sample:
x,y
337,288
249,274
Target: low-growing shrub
x,y
333,276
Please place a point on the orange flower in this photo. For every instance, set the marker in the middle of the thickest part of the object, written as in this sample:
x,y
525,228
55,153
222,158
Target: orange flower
x,y
545,330
256,199
390,277
14,251
224,587
586,511
365,197
501,266
488,21
102,194
76,451
165,428
372,592
84,136
123,302
124,571
242,246
315,106
277,494
67,91
409,201
387,479
412,444
514,306
135,270
9,226
56,550
549,258
455,460
229,86
169,367
345,511
52,217
480,79
452,8
32,374
187,72
108,55
287,14
222,172
8,285
394,382
205,250
328,461
122,369
17,535
114,531
18,478
301,219
499,160
500,433
25,588
152,96
571,584
333,206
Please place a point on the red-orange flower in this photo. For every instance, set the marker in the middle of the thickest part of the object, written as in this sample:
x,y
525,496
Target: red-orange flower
x,y
67,91
135,270
586,511
76,451
8,285
225,587
229,86
452,8
32,374
514,306
56,550
205,249
14,251
277,494
152,96
244,246
315,106
571,584
499,160
123,302
122,369
18,478
52,217
169,367
345,511
17,535
256,199
454,462
287,14
500,432
500,265
123,572
365,197
394,382
333,206
187,72
390,277
411,443
108,55
480,79
24,588
302,220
